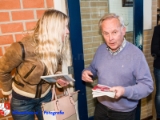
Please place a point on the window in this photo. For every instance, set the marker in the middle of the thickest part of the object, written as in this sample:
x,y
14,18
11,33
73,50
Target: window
x,y
127,3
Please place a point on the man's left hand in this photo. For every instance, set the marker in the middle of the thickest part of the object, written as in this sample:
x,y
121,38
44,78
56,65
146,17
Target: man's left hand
x,y
119,90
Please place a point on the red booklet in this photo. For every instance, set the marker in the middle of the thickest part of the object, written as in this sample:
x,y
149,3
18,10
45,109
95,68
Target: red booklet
x,y
99,87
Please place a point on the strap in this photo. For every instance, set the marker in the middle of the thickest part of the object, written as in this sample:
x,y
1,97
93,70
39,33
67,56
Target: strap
x,y
23,51
39,89
53,92
23,57
54,95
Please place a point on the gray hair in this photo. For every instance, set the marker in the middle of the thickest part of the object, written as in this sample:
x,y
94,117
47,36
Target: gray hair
x,y
109,16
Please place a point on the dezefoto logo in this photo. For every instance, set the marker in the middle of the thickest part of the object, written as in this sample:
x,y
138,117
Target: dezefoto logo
x,y
4,108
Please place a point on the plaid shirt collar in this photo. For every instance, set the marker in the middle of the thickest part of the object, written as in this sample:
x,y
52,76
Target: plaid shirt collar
x,y
119,49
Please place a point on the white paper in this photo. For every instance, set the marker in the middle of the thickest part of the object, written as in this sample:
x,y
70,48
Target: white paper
x,y
53,78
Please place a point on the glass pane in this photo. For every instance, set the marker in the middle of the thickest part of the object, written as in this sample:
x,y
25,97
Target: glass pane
x,y
124,8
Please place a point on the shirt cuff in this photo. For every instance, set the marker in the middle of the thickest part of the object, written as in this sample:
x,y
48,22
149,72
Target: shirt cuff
x,y
127,91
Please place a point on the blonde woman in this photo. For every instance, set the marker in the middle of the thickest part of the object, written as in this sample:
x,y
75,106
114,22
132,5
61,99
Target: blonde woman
x,y
36,55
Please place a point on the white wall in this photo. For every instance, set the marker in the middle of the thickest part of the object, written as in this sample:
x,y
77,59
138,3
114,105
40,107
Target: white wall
x,y
115,6
60,5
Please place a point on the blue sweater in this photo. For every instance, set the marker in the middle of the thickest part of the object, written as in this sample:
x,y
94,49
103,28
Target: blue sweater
x,y
129,69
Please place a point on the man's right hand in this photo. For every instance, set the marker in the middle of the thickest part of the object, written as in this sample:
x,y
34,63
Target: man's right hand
x,y
86,76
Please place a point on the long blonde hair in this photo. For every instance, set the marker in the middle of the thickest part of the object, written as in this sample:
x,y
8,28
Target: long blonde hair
x,y
49,36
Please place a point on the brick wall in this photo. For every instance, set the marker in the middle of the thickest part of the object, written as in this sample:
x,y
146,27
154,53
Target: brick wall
x,y
90,15
16,17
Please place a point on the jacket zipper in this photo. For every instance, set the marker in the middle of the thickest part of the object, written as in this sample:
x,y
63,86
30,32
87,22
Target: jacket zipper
x,y
33,67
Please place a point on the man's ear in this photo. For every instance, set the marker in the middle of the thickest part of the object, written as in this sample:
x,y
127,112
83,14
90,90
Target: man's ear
x,y
123,31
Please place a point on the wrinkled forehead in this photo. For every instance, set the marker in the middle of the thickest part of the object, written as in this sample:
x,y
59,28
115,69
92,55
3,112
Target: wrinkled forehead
x,y
111,23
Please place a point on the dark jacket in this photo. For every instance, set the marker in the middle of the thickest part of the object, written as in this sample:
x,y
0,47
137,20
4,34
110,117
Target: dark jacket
x,y
28,72
155,47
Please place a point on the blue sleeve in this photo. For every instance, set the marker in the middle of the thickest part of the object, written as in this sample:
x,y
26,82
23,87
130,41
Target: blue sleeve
x,y
144,82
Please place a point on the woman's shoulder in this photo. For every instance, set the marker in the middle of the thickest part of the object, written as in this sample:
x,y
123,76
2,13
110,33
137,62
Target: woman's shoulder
x,y
27,39
28,42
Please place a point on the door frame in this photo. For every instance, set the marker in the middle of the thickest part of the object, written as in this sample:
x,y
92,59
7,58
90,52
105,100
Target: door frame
x,y
77,55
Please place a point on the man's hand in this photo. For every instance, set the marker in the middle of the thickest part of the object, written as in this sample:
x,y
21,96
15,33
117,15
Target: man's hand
x,y
86,76
118,90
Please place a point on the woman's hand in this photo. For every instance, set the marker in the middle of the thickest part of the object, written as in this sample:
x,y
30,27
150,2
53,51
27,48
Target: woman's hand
x,y
6,98
61,83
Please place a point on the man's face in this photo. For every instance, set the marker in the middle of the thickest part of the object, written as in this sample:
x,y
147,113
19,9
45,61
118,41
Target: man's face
x,y
113,33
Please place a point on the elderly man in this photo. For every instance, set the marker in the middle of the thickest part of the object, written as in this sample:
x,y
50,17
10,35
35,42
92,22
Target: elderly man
x,y
122,66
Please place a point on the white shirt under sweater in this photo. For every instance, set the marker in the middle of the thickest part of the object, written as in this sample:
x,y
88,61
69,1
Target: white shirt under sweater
x,y
128,68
